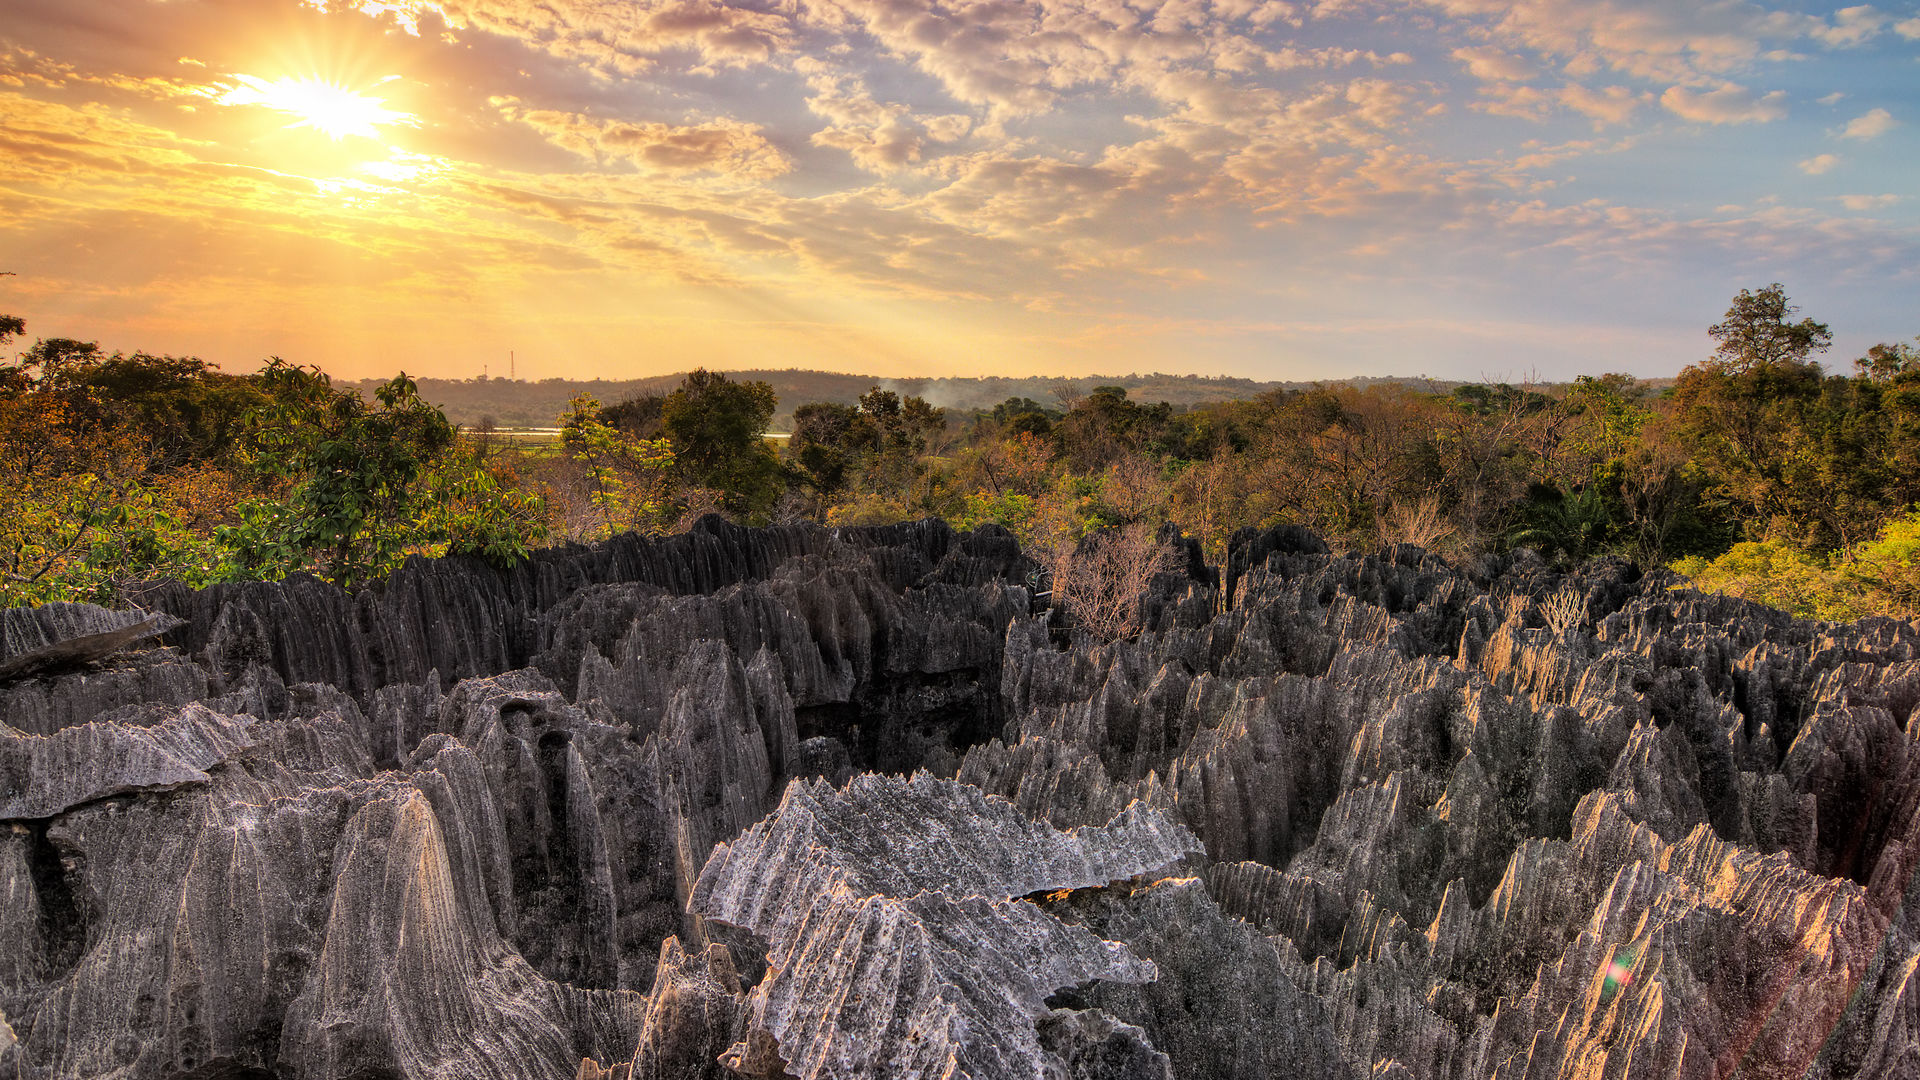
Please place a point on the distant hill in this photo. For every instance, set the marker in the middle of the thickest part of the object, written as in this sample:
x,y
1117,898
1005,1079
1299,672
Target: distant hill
x,y
520,403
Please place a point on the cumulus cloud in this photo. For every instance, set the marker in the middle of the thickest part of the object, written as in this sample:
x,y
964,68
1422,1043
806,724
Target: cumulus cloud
x,y
880,137
1817,165
1650,39
1870,125
1729,104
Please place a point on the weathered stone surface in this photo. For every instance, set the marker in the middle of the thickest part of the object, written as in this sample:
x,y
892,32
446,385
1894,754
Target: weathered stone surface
x,y
1428,780
619,813
24,631
41,776
890,956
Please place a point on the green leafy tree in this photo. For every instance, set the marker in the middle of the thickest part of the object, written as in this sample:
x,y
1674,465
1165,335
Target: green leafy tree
x,y
1894,372
366,484
1021,414
1757,332
1105,426
87,511
827,444
628,479
718,429
1762,422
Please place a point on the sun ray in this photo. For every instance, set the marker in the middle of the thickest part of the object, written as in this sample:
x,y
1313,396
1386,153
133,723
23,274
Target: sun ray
x,y
334,110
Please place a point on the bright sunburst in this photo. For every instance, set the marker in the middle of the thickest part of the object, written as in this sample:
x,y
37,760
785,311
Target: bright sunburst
x,y
323,106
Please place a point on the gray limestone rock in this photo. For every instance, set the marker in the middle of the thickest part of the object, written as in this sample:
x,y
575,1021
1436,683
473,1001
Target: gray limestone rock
x,y
899,940
672,808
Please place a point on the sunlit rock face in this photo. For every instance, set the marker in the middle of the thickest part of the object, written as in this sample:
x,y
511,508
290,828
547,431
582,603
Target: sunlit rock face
x,y
804,803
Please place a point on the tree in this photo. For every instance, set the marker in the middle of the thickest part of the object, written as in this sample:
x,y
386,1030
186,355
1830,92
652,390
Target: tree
x,y
1756,414
358,499
718,428
1105,426
11,326
875,445
827,441
627,477
1886,363
1022,414
1101,581
1757,334
638,416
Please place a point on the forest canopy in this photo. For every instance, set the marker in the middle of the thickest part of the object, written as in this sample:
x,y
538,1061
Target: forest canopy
x,y
1757,470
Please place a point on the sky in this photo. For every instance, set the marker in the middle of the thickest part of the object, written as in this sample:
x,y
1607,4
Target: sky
x,y
1262,188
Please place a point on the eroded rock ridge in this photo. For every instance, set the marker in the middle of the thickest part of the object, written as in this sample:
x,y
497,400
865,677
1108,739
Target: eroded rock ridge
x,y
799,802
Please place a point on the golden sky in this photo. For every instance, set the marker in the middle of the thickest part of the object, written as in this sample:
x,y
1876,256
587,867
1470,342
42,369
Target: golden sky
x,y
920,187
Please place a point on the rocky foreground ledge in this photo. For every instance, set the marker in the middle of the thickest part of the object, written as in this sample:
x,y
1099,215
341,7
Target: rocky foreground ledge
x,y
807,803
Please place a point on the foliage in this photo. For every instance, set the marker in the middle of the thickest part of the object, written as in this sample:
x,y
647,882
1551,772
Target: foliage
x,y
358,499
874,446
718,430
93,536
628,478
1756,333
1817,461
482,507
119,467
1880,576
122,469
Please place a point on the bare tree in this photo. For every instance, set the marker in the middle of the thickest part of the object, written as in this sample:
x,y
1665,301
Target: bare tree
x,y
1101,581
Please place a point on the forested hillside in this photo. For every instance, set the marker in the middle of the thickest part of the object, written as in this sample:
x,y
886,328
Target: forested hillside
x,y
526,403
1757,471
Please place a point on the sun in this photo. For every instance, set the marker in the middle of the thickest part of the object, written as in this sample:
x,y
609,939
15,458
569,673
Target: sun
x,y
326,107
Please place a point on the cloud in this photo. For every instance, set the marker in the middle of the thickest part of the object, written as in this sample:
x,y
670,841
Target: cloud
x,y
965,159
1683,42
1609,105
1649,39
1870,125
881,138
1868,202
1908,28
1865,202
1491,64
620,36
1831,99
1851,26
1730,104
1515,100
723,147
